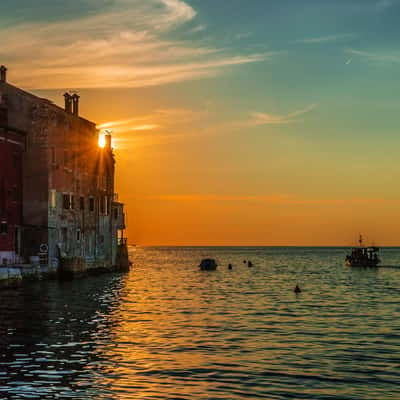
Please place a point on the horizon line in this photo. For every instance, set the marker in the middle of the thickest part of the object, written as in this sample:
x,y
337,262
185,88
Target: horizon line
x,y
253,246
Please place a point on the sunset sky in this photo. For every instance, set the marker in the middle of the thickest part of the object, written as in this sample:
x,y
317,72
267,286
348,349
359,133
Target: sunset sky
x,y
240,122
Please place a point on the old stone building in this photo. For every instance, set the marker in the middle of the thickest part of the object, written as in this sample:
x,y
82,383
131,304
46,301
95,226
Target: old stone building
x,y
12,146
68,212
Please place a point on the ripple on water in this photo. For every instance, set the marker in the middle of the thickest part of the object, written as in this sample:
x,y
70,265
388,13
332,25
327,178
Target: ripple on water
x,y
168,331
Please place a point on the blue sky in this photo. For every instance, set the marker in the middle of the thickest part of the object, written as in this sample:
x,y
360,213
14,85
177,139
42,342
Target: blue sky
x,y
294,99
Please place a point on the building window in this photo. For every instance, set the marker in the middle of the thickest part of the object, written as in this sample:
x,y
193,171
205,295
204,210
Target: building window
x,y
3,113
78,235
108,208
64,236
15,160
115,213
102,205
72,201
107,178
53,198
91,204
82,203
66,201
3,228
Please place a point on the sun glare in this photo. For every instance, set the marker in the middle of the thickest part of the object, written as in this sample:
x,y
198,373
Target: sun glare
x,y
102,141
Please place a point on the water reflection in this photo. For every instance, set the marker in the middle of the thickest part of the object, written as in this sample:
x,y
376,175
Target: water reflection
x,y
169,331
53,336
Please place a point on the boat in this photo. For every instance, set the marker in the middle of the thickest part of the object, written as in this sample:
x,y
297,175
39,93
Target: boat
x,y
363,256
208,264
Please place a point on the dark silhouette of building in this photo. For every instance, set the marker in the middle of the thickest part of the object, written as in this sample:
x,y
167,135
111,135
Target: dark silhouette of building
x,y
65,206
12,146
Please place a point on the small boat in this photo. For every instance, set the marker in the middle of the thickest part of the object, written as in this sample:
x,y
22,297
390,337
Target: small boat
x,y
208,264
363,256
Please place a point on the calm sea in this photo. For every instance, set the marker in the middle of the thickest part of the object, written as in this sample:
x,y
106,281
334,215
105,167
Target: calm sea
x,y
169,331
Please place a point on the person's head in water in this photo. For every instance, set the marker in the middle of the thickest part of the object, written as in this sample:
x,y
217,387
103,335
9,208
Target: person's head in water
x,y
230,266
297,289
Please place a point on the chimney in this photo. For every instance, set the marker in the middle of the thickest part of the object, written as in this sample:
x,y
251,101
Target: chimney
x,y
68,102
107,138
75,104
3,74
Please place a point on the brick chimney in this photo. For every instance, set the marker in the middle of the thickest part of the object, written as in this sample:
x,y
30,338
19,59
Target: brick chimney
x,y
75,104
3,74
107,138
68,102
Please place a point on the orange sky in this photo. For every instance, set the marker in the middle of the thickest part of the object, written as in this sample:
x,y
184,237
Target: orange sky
x,y
254,125
189,182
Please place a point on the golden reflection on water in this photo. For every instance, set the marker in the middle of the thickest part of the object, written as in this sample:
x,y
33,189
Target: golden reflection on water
x,y
168,331
180,333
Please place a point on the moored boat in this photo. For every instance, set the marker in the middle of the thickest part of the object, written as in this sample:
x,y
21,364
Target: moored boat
x,y
208,264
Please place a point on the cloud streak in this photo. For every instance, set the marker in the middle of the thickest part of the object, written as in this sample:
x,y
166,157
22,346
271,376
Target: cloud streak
x,y
166,120
260,118
377,58
126,45
325,39
277,199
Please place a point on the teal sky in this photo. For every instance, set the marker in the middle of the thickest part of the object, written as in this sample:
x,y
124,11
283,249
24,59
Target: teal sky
x,y
235,102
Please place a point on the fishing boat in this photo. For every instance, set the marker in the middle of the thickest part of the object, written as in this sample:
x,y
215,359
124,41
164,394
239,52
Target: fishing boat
x,y
363,256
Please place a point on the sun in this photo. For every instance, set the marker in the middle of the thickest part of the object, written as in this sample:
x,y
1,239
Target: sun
x,y
102,141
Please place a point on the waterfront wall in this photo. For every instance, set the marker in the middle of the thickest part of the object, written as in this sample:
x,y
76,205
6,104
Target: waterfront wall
x,y
14,276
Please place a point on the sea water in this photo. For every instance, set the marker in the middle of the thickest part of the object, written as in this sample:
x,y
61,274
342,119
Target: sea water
x,y
167,330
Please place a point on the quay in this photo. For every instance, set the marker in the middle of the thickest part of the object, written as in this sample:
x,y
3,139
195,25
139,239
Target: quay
x,y
59,213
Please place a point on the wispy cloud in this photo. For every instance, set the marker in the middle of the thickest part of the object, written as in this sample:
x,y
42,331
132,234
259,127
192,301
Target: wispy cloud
x,y
118,123
217,197
198,28
378,57
261,118
274,199
162,119
123,46
148,127
177,124
325,39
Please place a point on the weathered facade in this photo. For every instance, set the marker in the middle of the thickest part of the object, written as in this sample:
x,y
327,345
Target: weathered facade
x,y
69,218
12,145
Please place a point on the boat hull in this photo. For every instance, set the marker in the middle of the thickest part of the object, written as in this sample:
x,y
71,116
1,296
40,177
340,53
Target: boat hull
x,y
351,262
362,265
